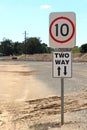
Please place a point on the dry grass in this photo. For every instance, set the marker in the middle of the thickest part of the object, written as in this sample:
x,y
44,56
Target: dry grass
x,y
45,57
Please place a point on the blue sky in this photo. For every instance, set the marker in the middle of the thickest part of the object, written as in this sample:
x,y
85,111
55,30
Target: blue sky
x,y
16,16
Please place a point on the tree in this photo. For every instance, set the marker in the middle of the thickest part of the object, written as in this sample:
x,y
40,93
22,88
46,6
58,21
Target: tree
x,y
49,49
7,47
33,45
83,48
18,48
44,48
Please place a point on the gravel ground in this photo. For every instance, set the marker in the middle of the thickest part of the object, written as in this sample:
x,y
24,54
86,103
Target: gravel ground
x,y
28,103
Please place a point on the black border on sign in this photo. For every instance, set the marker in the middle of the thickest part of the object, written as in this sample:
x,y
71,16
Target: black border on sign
x,y
53,65
73,30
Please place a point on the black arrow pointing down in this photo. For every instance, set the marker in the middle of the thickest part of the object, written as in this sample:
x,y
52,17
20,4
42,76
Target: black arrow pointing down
x,y
65,71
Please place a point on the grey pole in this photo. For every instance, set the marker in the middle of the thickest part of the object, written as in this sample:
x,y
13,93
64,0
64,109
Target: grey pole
x,y
62,101
25,44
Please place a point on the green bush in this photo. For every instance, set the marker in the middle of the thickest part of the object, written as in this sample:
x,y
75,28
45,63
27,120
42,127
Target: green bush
x,y
83,48
75,49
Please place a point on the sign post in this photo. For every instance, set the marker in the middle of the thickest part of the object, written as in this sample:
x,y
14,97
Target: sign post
x,y
62,35
61,69
62,101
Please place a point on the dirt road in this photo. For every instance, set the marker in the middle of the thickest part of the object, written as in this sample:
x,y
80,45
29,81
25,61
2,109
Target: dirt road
x,y
30,97
18,82
27,80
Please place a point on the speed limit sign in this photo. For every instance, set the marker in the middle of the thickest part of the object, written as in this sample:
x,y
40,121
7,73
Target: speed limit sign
x,y
62,30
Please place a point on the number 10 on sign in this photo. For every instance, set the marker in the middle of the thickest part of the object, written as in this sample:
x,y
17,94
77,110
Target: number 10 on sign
x,y
62,30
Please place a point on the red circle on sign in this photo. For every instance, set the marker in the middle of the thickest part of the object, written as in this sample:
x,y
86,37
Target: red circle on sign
x,y
73,30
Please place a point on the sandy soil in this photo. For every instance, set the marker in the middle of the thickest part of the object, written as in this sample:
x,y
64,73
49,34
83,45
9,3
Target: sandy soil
x,y
44,114
18,83
19,111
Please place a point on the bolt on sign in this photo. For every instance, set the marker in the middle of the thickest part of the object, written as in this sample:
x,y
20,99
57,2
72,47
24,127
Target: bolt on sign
x,y
61,64
62,30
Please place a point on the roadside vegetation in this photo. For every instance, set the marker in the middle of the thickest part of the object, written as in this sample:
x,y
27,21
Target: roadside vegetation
x,y
32,45
81,49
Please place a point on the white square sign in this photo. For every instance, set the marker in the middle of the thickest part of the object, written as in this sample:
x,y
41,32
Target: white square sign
x,y
62,30
62,64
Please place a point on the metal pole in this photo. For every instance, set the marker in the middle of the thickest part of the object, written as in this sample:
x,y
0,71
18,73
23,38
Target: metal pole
x,y
62,101
25,44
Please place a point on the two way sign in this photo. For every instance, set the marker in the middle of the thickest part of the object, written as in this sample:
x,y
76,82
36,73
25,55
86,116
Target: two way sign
x,y
62,64
62,30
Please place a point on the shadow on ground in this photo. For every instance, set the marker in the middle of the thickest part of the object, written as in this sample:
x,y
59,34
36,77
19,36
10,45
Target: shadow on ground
x,y
45,126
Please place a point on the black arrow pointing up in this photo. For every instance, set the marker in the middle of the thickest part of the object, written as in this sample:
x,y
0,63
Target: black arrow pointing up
x,y
58,71
65,72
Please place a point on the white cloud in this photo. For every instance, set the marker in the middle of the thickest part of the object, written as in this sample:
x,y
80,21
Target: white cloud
x,y
45,6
